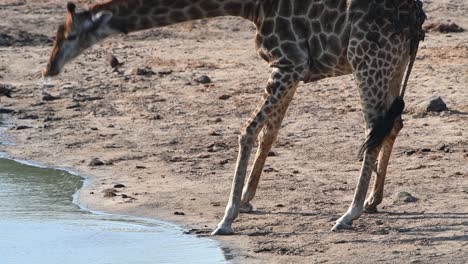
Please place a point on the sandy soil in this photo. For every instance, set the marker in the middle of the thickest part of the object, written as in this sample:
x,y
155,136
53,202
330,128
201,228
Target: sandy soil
x,y
173,142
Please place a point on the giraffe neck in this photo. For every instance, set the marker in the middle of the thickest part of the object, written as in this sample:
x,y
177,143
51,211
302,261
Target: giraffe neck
x,y
134,15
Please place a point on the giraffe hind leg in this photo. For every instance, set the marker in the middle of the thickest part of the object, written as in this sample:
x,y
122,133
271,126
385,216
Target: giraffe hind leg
x,y
376,196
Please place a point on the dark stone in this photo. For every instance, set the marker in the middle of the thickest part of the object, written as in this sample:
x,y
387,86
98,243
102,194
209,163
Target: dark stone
x,y
406,197
49,97
224,97
6,111
179,213
109,193
22,127
140,167
203,79
95,162
119,185
144,72
433,104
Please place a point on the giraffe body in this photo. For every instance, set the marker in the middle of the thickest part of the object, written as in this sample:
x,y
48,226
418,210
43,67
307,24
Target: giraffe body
x,y
303,41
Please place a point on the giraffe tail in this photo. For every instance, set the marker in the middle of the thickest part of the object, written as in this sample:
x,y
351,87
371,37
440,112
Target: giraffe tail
x,y
383,126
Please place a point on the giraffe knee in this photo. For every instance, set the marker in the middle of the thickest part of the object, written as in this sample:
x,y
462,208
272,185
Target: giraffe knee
x,y
246,137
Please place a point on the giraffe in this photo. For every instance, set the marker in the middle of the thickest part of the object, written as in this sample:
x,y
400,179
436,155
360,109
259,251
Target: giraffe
x,y
303,41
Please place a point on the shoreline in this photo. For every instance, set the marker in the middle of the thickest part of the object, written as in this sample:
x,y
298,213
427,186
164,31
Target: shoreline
x,y
226,248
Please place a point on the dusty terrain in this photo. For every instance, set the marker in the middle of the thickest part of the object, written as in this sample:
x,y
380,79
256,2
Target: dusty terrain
x,y
173,142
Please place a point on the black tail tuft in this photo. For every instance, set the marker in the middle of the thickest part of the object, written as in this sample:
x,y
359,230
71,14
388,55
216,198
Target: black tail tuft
x,y
383,126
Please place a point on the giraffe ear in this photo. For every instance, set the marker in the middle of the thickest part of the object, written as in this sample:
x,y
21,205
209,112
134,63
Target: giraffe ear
x,y
102,18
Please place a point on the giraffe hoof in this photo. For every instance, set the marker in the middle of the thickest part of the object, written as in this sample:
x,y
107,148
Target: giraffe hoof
x,y
341,226
246,208
370,210
223,231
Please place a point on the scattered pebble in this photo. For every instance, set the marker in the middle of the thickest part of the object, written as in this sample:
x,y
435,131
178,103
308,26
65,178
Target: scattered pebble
x,y
113,61
22,127
95,162
406,197
447,27
144,72
109,193
119,185
165,72
179,213
73,106
203,79
49,97
215,204
5,90
224,97
433,104
140,167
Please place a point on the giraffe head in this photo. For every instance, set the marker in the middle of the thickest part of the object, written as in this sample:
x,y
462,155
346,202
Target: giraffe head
x,y
79,32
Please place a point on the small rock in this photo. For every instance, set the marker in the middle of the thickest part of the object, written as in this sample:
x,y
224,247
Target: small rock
x,y
113,61
279,205
22,127
73,106
49,97
95,162
124,196
433,104
203,79
215,204
271,154
144,72
165,72
6,111
179,213
119,185
214,133
379,222
91,192
5,90
140,167
443,27
224,97
406,197
109,193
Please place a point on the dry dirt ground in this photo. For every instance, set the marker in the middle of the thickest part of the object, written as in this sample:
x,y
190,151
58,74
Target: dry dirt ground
x,y
173,142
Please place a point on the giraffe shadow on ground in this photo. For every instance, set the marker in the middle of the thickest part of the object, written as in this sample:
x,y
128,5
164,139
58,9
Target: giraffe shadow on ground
x,y
262,212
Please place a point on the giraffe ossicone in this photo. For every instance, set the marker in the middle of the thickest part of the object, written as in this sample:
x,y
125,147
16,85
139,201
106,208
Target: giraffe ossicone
x,y
303,41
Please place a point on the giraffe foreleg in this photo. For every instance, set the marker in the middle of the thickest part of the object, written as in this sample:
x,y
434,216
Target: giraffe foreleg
x,y
278,87
376,196
266,140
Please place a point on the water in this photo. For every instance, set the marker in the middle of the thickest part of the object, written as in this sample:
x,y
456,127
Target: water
x,y
40,223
